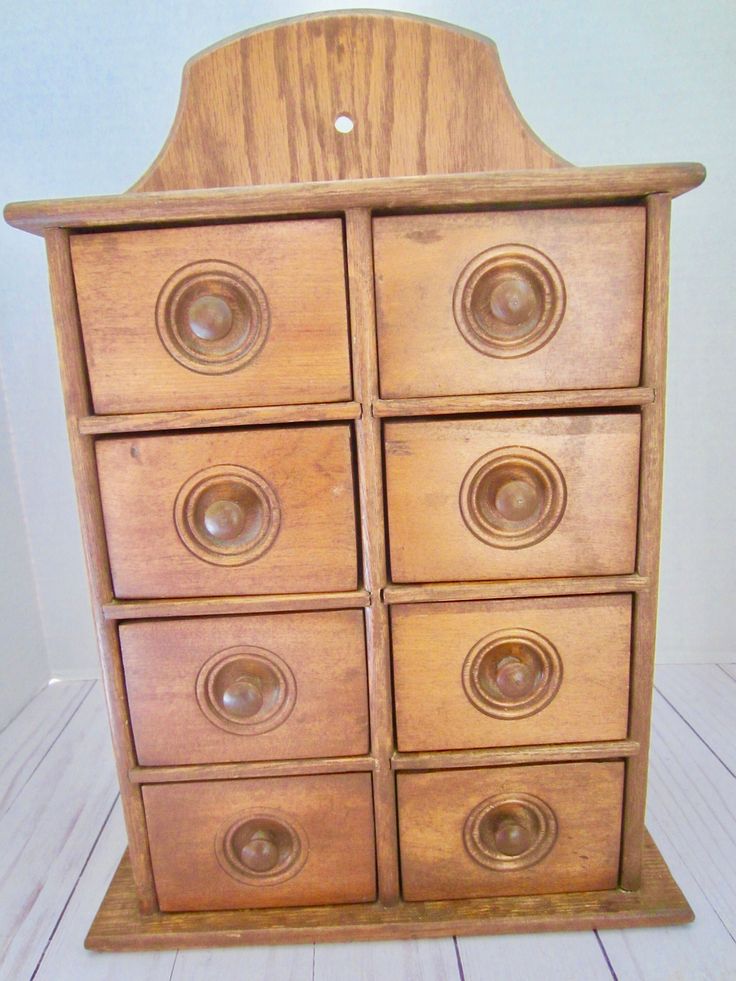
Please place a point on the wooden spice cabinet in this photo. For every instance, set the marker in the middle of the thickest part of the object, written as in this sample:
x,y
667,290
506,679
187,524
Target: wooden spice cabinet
x,y
366,422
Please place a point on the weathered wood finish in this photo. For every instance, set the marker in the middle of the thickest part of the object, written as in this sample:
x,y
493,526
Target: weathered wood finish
x,y
434,808
331,815
317,412
313,518
426,467
424,349
432,647
311,667
301,354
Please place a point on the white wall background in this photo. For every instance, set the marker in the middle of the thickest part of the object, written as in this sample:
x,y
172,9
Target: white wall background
x,y
88,91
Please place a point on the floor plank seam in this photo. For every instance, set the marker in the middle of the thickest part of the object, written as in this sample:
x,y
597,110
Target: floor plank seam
x,y
173,964
459,959
23,708
64,908
722,668
606,958
695,731
54,741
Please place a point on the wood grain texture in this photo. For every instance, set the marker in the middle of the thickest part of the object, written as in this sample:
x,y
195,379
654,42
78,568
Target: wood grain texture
x,y
373,538
185,819
512,402
119,926
424,97
420,261
298,266
427,462
322,686
654,367
314,548
77,401
218,418
449,592
431,645
433,809
568,185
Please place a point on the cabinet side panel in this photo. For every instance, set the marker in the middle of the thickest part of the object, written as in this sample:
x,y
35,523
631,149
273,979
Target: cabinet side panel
x,y
78,403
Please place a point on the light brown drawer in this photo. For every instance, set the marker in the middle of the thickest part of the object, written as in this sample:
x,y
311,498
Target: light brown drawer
x,y
230,315
509,301
224,689
511,672
510,831
279,841
230,513
508,498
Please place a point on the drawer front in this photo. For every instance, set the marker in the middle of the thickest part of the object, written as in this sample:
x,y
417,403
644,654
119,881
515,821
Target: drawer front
x,y
511,672
509,301
246,511
283,841
508,498
510,831
197,318
225,689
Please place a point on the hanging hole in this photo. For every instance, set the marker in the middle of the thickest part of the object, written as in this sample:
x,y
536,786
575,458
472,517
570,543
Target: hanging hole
x,y
344,124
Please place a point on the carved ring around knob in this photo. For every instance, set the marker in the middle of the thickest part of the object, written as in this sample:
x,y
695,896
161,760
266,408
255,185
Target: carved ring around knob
x,y
509,301
511,674
513,497
212,317
227,515
246,690
262,847
510,831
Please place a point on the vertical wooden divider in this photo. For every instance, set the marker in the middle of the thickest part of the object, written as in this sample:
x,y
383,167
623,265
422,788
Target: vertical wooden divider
x,y
650,513
84,465
359,239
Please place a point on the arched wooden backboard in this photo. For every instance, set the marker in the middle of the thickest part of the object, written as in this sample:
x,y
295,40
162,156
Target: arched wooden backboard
x,y
424,98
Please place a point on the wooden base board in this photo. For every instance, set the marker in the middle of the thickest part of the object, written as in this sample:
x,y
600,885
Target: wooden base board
x,y
120,926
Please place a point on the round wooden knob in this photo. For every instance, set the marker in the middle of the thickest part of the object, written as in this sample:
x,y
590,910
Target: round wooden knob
x,y
513,301
261,852
246,690
225,520
510,831
227,515
509,301
210,318
243,697
262,847
515,678
511,674
513,497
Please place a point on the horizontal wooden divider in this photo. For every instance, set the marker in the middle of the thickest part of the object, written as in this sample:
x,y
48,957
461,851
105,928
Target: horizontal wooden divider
x,y
515,756
599,398
448,592
221,605
243,771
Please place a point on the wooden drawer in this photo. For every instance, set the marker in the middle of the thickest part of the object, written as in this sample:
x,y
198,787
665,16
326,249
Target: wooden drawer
x,y
509,301
229,513
231,315
224,689
508,498
511,672
510,830
279,841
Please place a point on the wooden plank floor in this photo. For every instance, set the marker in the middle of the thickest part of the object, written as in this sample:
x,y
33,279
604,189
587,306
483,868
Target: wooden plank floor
x,y
61,837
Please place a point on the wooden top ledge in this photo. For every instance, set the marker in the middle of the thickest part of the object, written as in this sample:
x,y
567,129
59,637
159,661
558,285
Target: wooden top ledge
x,y
563,185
